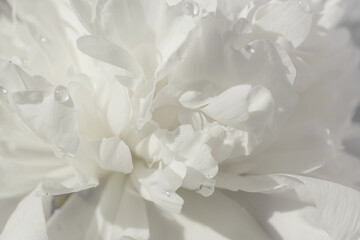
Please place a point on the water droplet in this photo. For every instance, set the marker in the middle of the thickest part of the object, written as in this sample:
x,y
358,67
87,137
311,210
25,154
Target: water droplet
x,y
43,39
168,194
304,5
209,176
61,94
206,189
249,49
4,94
60,153
190,8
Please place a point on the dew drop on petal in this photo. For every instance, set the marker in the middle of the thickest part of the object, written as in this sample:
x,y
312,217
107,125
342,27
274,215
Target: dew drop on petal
x,y
61,153
4,94
249,49
190,8
205,189
61,94
168,194
304,5
43,39
209,176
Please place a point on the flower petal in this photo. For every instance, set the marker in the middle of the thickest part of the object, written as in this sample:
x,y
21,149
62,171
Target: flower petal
x,y
51,118
204,217
282,215
27,221
108,52
249,183
160,186
103,214
291,19
223,109
111,153
338,207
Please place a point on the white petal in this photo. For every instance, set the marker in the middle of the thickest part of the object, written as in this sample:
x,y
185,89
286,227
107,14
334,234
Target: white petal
x,y
119,111
107,18
204,218
108,52
300,148
13,78
52,119
282,215
14,180
119,213
248,183
102,213
277,77
192,147
332,13
352,141
223,109
291,19
173,2
64,224
111,153
344,170
196,94
160,185
27,160
174,44
27,221
7,207
338,207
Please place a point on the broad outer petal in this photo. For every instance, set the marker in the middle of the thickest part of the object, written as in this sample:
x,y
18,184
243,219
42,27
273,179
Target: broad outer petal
x,y
214,217
27,221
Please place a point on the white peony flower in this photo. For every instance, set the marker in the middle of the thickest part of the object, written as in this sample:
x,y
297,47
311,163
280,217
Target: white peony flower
x,y
179,119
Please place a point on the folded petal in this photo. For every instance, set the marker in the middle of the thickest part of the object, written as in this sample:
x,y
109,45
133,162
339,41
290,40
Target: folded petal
x,y
111,154
337,206
160,186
